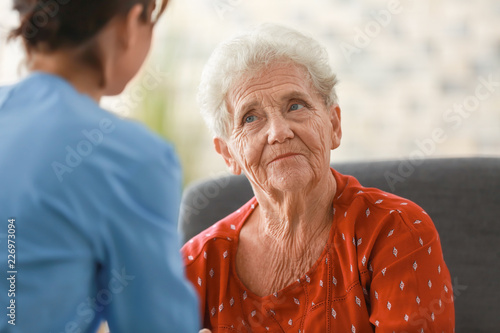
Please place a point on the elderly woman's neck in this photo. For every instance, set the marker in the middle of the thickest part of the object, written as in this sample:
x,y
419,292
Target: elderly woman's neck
x,y
295,219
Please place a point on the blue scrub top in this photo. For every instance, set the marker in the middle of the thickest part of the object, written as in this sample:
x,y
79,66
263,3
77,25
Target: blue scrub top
x,y
93,202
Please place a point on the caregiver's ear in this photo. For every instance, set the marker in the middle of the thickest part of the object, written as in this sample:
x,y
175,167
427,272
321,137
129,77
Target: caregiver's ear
x,y
222,148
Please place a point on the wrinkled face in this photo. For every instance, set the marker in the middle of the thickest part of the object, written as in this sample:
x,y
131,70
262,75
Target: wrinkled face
x,y
282,131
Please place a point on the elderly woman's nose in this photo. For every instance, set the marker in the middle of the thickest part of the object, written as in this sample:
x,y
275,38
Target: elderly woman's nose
x,y
279,130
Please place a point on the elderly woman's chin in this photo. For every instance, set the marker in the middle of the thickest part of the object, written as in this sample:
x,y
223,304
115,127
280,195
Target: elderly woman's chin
x,y
290,175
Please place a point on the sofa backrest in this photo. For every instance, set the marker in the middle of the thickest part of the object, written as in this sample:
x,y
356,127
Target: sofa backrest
x,y
461,195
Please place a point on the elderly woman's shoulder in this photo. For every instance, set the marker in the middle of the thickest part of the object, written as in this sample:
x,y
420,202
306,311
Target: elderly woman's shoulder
x,y
383,227
376,209
217,238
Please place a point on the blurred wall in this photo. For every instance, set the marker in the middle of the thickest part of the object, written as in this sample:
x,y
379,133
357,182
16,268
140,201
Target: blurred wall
x,y
417,78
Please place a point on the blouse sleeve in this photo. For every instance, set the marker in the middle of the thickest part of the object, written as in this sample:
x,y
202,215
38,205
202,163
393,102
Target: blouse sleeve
x,y
410,287
195,259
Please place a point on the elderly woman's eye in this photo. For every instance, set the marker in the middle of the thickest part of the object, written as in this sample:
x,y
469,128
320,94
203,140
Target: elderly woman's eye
x,y
296,107
250,119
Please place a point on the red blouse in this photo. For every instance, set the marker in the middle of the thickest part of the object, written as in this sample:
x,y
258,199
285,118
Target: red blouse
x,y
382,270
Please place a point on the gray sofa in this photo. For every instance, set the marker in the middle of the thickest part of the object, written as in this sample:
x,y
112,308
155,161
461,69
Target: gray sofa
x,y
461,195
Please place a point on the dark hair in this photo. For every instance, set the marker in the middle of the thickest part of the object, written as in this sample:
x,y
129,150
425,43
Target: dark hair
x,y
54,24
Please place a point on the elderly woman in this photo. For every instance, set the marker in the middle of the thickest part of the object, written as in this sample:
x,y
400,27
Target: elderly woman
x,y
313,251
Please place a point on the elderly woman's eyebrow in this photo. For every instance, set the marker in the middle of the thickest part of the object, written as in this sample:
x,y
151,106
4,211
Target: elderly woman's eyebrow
x,y
296,94
240,111
289,96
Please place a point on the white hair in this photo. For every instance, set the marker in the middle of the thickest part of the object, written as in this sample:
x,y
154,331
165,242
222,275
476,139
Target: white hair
x,y
250,52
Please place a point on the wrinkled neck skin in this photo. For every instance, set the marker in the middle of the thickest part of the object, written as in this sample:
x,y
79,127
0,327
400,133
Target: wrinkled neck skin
x,y
285,235
294,222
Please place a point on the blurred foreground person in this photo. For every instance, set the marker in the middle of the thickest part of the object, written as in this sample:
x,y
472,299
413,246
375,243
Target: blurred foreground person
x,y
88,202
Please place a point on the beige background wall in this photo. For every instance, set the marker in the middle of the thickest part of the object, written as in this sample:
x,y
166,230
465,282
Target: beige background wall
x,y
412,73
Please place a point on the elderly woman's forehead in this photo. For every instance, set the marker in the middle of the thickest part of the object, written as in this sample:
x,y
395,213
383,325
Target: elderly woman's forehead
x,y
276,66
269,75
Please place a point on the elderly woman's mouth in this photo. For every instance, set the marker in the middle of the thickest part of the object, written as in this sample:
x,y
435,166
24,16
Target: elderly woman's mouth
x,y
283,157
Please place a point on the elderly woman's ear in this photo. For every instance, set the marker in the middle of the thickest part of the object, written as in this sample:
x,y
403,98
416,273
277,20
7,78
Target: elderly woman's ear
x,y
222,148
336,126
